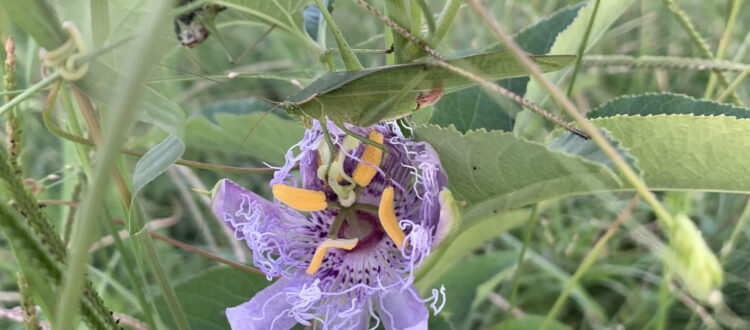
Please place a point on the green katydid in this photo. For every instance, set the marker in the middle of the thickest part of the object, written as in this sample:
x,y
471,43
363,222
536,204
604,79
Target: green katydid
x,y
365,97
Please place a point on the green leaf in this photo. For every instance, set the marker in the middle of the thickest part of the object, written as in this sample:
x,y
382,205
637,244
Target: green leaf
x,y
666,104
494,171
162,112
156,161
205,296
347,96
686,152
282,13
155,108
529,322
475,108
38,19
574,145
568,42
471,237
223,126
314,19
461,282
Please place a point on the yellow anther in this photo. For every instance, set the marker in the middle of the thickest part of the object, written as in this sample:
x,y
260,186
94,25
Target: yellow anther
x,y
300,199
364,173
388,217
320,252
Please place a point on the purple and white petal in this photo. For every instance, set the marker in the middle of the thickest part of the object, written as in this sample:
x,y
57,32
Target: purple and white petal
x,y
235,205
268,310
402,309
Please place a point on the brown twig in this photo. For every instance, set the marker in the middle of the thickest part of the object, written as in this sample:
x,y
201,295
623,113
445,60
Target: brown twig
x,y
479,80
198,251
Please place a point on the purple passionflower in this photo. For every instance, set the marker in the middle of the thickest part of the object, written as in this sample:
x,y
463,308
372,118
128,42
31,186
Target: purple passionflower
x,y
368,220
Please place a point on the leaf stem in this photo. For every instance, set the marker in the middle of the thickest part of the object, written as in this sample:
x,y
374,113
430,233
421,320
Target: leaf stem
x,y
721,52
47,119
120,119
733,86
698,41
596,135
582,48
479,80
29,92
350,60
663,62
530,224
587,262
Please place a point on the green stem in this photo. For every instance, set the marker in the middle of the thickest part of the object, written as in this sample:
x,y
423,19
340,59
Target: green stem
x,y
121,116
721,52
665,300
29,92
698,41
416,19
530,224
135,282
589,260
570,108
582,49
74,126
663,62
733,86
425,9
169,295
50,125
397,12
738,229
444,22
350,60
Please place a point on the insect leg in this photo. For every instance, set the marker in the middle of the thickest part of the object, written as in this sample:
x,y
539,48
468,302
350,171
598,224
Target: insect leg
x,y
329,141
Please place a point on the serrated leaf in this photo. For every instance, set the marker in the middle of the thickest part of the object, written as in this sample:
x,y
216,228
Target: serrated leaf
x,y
348,96
568,42
666,104
574,145
475,108
156,161
224,125
205,296
686,152
494,171
529,322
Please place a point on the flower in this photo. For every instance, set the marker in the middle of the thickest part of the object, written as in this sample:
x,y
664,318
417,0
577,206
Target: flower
x,y
371,219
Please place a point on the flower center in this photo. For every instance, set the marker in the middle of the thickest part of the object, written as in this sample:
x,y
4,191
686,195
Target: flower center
x,y
363,226
356,227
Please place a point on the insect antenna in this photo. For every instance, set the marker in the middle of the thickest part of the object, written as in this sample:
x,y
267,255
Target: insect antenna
x,y
254,45
257,122
219,82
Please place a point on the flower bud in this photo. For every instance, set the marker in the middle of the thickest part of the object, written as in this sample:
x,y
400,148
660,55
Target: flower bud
x,y
450,218
695,264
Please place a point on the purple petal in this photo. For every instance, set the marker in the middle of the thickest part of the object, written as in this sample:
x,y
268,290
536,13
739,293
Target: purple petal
x,y
232,204
402,309
268,310
357,319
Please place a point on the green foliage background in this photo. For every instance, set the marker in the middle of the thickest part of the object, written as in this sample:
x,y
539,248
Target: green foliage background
x,y
500,159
